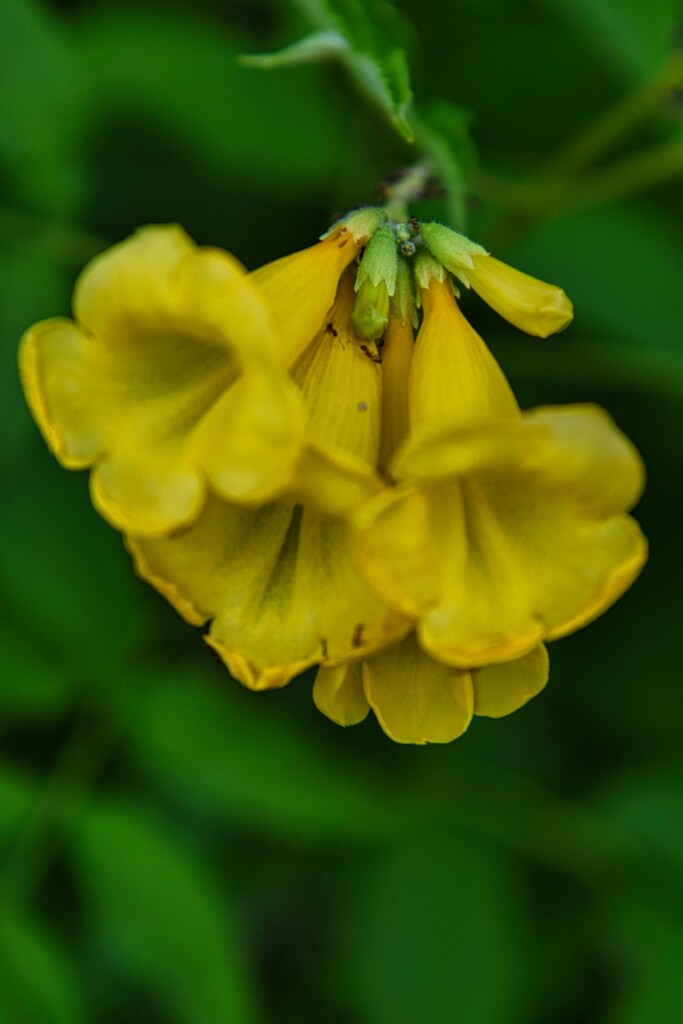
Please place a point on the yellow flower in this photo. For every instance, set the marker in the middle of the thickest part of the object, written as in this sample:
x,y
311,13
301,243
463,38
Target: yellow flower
x,y
532,305
395,520
280,583
417,699
505,528
167,380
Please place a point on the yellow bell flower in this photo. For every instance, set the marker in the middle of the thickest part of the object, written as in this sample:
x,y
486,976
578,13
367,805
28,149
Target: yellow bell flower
x,y
280,583
301,288
166,381
417,699
505,528
532,305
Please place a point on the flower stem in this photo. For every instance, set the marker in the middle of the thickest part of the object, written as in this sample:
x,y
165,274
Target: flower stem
x,y
409,186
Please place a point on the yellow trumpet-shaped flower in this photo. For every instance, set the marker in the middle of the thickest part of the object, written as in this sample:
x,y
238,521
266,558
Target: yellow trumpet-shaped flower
x,y
532,305
505,528
417,699
166,381
301,288
279,583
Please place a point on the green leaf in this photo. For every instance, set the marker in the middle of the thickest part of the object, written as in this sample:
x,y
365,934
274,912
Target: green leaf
x,y
315,47
66,583
40,108
184,76
437,934
635,35
17,797
645,809
374,55
650,944
31,685
225,751
621,267
162,917
37,985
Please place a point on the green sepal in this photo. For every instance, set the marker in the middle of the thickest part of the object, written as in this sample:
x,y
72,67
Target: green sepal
x,y
361,224
453,250
380,260
403,301
426,268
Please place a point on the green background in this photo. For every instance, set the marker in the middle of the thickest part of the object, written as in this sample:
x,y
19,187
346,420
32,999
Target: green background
x,y
177,850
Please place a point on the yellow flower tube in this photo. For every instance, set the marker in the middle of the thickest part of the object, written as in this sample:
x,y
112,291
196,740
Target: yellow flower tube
x,y
506,528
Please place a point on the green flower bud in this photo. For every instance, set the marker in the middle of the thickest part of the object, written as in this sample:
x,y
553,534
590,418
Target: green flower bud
x,y
370,314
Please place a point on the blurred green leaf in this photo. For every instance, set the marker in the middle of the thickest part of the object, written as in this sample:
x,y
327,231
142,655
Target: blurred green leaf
x,y
376,56
439,935
650,945
40,108
36,981
162,916
31,685
634,34
32,288
66,583
17,797
621,265
226,752
184,75
310,49
646,809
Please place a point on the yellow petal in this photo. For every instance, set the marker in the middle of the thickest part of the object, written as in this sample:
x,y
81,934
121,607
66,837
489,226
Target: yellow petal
x,y
159,281
397,355
301,288
340,379
338,693
454,378
250,442
142,388
586,452
333,482
397,549
279,583
149,497
417,699
501,689
532,305
60,365
484,612
516,549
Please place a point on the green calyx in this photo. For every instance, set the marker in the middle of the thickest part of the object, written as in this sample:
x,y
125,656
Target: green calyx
x,y
453,250
360,224
403,301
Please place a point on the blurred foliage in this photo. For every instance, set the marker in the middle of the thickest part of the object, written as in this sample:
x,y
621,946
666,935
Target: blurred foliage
x,y
176,850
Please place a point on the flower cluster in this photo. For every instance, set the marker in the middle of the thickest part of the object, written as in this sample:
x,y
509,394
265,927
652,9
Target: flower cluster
x,y
291,465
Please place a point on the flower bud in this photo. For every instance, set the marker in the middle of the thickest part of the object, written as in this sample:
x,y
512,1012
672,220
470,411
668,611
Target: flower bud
x,y
532,305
